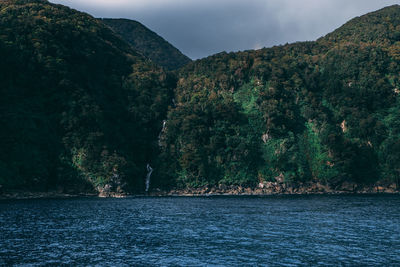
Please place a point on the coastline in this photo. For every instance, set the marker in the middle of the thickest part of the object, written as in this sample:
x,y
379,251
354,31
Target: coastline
x,y
263,189
16,195
275,188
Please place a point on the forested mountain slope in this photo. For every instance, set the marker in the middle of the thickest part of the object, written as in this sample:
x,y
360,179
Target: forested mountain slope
x,y
79,108
324,111
147,42
82,109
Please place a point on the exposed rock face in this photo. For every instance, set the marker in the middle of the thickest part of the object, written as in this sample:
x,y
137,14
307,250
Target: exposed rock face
x,y
265,137
343,125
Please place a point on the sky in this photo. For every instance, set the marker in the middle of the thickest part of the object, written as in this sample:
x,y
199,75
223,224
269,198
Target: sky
x,y
199,28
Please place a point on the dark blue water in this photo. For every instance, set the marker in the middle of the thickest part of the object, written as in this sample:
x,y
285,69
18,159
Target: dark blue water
x,y
286,231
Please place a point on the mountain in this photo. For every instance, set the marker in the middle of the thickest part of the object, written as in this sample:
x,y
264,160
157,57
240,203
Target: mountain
x,y
313,112
80,109
148,43
380,27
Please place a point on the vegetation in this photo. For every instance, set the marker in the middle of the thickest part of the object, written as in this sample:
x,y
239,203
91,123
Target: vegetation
x,y
148,43
81,108
323,111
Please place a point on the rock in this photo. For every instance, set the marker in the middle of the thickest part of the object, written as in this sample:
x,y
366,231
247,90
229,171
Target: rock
x,y
364,190
313,188
222,187
265,137
347,187
389,190
204,190
393,186
323,188
343,125
290,190
104,191
301,190
248,191
119,189
380,189
280,178
278,189
269,185
258,191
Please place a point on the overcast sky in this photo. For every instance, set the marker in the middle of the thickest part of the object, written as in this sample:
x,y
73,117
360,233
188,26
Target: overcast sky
x,y
200,28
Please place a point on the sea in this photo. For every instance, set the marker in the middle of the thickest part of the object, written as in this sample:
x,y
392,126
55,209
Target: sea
x,y
304,230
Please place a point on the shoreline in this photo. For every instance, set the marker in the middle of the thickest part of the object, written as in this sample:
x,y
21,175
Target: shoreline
x,y
20,195
266,189
45,195
277,189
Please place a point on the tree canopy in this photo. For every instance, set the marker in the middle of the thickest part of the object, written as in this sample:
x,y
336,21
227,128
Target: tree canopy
x,y
81,108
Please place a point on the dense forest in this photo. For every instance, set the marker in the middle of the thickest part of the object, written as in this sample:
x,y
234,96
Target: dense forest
x,y
79,108
324,111
82,109
148,43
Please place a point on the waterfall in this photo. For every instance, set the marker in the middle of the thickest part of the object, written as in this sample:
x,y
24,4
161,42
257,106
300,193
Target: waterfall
x,y
149,172
164,123
148,167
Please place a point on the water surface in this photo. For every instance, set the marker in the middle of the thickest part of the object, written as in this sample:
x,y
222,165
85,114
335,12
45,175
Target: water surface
x,y
216,231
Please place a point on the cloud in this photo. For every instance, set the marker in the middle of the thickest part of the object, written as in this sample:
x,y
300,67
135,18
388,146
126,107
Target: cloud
x,y
203,27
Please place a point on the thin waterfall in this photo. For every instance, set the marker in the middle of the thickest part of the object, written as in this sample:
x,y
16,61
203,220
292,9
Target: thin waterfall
x,y
148,167
149,172
164,123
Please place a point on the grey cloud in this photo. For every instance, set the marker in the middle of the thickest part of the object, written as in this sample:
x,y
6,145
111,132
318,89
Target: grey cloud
x,y
203,27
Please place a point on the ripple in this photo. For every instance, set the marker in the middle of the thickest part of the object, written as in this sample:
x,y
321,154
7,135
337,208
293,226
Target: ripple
x,y
283,231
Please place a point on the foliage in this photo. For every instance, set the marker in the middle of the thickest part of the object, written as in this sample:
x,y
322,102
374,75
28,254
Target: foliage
x,y
314,111
82,108
78,103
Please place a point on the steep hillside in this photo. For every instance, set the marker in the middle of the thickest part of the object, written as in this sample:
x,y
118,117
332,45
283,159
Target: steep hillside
x,y
148,43
78,105
380,27
324,111
81,109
